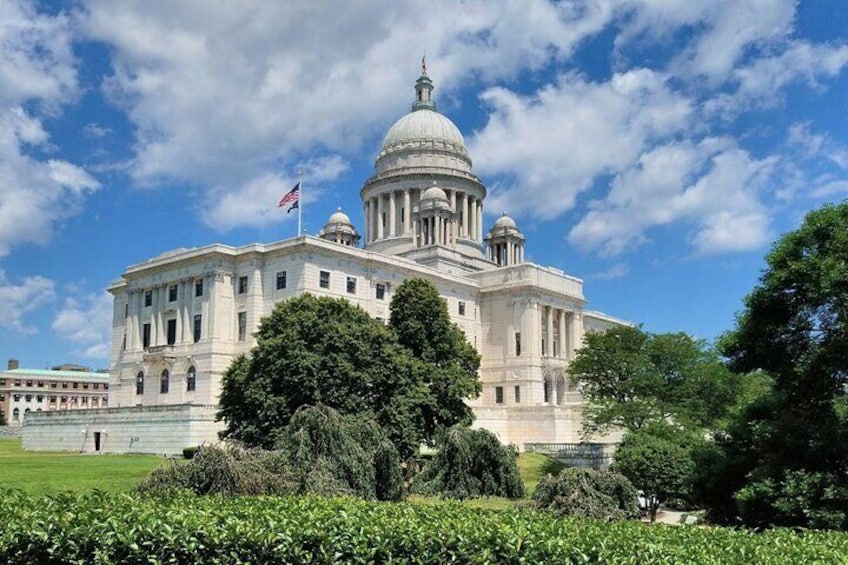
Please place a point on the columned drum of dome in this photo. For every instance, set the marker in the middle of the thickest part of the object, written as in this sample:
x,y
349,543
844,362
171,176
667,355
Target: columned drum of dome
x,y
505,243
421,148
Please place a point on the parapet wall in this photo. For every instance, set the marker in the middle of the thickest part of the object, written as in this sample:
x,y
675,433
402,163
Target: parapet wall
x,y
163,430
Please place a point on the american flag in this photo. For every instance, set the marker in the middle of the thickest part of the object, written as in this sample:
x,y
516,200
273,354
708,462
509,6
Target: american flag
x,y
291,198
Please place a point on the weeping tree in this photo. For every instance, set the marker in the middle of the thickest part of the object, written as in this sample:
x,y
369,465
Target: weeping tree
x,y
587,493
470,464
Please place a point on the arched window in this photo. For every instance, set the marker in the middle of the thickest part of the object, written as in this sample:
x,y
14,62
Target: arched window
x,y
16,414
139,383
191,379
164,382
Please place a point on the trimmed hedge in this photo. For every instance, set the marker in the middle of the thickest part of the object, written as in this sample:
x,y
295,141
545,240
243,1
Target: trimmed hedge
x,y
104,528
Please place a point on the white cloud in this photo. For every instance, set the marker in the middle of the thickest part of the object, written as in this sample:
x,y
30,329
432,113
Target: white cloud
x,y
816,145
220,97
24,297
556,143
714,186
37,76
87,321
614,272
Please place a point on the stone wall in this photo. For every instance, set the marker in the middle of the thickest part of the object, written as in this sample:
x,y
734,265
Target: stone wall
x,y
163,430
7,432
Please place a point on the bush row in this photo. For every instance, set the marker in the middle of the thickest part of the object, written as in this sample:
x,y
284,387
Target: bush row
x,y
106,528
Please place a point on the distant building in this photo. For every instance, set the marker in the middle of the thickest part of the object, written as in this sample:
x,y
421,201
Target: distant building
x,y
181,317
23,391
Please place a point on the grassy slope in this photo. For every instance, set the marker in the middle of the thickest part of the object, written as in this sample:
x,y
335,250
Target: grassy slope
x,y
41,472
47,472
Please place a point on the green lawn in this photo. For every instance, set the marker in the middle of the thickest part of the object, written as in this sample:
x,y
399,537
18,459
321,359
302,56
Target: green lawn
x,y
39,472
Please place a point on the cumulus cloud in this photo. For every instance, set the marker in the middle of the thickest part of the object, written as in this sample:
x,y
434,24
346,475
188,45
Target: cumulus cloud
x,y
87,322
714,186
554,144
37,76
220,98
20,298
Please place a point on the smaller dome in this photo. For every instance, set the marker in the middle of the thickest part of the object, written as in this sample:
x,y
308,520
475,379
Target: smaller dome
x,y
340,217
434,193
505,222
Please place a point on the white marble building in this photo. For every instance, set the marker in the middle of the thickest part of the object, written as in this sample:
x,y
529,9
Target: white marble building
x,y
181,317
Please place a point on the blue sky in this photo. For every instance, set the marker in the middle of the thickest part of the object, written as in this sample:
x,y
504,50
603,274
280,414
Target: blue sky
x,y
654,148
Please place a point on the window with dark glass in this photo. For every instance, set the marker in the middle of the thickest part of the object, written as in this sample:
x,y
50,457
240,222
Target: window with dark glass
x,y
172,331
197,326
324,279
85,385
172,293
517,390
499,398
52,384
381,291
148,297
139,383
281,280
242,326
17,397
75,385
198,287
461,308
242,285
64,385
29,383
28,398
191,379
351,285
164,382
517,344
41,383
96,386
145,335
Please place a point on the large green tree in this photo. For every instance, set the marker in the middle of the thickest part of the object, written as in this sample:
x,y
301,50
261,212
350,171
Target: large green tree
x,y
326,351
632,379
422,324
785,458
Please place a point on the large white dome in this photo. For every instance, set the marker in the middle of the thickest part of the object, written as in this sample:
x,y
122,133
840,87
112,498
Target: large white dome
x,y
424,126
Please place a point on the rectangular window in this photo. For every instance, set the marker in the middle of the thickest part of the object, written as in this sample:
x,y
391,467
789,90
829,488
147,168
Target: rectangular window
x,y
2,381
499,395
85,400
148,297
517,344
39,398
198,287
85,386
172,293
197,324
324,279
351,285
52,400
242,326
461,308
172,331
75,385
64,399
145,336
381,291
41,384
64,385
105,386
29,383
17,397
517,390
28,398
96,386
2,397
543,347
242,282
556,348
281,280
52,385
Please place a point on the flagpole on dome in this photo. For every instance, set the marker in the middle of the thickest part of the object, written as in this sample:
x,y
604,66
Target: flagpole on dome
x,y
300,204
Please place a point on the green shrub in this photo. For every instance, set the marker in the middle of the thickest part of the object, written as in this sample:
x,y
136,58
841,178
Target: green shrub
x,y
469,464
587,493
131,530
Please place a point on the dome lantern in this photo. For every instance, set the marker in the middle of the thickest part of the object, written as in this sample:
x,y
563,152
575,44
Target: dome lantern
x,y
424,91
339,229
505,242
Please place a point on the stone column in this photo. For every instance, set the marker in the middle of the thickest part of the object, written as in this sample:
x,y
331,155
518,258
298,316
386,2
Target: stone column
x,y
465,200
549,328
210,304
380,229
392,214
407,212
479,220
562,333
472,227
453,223
367,221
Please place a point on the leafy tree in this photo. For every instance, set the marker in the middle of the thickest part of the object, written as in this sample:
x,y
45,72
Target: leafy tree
x,y
323,351
420,319
786,456
632,379
469,464
2,418
658,463
587,493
